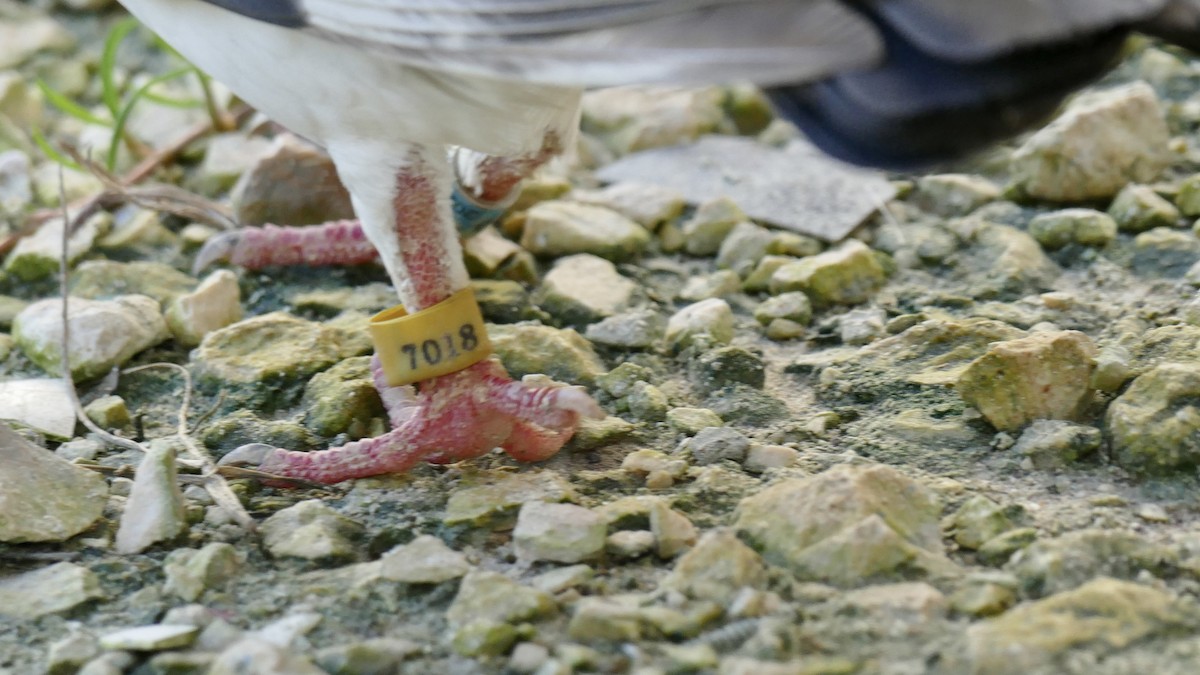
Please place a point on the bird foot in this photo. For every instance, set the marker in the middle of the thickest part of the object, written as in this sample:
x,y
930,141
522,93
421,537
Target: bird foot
x,y
454,417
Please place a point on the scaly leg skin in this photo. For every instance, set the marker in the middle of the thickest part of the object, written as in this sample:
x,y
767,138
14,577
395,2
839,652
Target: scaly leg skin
x,y
490,180
457,416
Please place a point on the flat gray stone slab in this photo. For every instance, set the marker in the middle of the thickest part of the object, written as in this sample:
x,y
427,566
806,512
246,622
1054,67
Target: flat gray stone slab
x,y
796,188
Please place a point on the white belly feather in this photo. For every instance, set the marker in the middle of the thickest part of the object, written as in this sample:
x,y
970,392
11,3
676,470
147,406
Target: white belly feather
x,y
333,93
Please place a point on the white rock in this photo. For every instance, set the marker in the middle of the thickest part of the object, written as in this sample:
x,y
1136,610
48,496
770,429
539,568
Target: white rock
x,y
154,511
104,333
215,304
712,317
42,404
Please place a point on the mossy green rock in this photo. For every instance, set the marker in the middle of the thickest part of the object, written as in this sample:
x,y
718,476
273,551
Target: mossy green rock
x,y
1042,376
490,596
980,519
312,530
846,526
484,638
1188,199
260,359
492,499
846,275
1053,565
342,399
954,194
563,354
243,427
1102,616
102,279
1165,252
1138,208
1086,227
1155,424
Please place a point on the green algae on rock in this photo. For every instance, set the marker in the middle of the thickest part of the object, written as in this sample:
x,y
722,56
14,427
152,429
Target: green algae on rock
x,y
1154,423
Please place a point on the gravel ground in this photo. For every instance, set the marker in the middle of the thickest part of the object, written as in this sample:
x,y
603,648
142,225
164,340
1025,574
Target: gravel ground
x,y
961,439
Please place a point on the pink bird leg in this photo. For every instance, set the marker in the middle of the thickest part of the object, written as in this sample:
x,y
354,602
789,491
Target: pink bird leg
x,y
453,417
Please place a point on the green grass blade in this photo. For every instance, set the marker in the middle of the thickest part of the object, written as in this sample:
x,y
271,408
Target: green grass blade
x,y
69,107
52,154
123,117
171,102
108,63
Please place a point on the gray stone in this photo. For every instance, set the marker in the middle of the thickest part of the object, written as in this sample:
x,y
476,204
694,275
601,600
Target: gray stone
x,y
583,288
711,318
190,572
797,187
1055,444
1071,560
1103,141
692,420
794,306
68,654
41,404
150,638
954,194
558,533
1164,252
48,590
745,246
226,157
1043,376
562,354
862,326
262,658
494,500
1103,616
637,329
43,497
1153,424
16,191
379,656
980,520
647,205
103,333
717,568
37,255
559,228
716,285
647,402
847,525
155,510
710,224
715,444
291,183
107,279
1086,227
424,560
846,275
638,117
313,531
1138,208
493,597
21,39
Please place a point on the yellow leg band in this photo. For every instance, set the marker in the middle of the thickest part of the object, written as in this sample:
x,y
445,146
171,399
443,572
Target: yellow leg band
x,y
439,340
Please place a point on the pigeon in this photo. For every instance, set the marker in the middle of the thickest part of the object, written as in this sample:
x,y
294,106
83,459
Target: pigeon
x,y
434,111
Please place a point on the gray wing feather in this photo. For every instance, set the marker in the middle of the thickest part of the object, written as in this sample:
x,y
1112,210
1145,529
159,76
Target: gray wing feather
x,y
603,42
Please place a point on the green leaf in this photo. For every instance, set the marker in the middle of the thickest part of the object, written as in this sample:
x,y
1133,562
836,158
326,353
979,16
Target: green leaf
x,y
108,63
123,117
69,107
172,102
51,153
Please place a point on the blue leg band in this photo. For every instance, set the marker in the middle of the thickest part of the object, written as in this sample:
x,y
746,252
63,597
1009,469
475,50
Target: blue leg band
x,y
470,216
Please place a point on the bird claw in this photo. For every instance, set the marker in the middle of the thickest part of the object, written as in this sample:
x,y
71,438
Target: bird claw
x,y
218,248
251,454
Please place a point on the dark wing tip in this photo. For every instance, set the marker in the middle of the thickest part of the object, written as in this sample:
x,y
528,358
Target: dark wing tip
x,y
286,13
